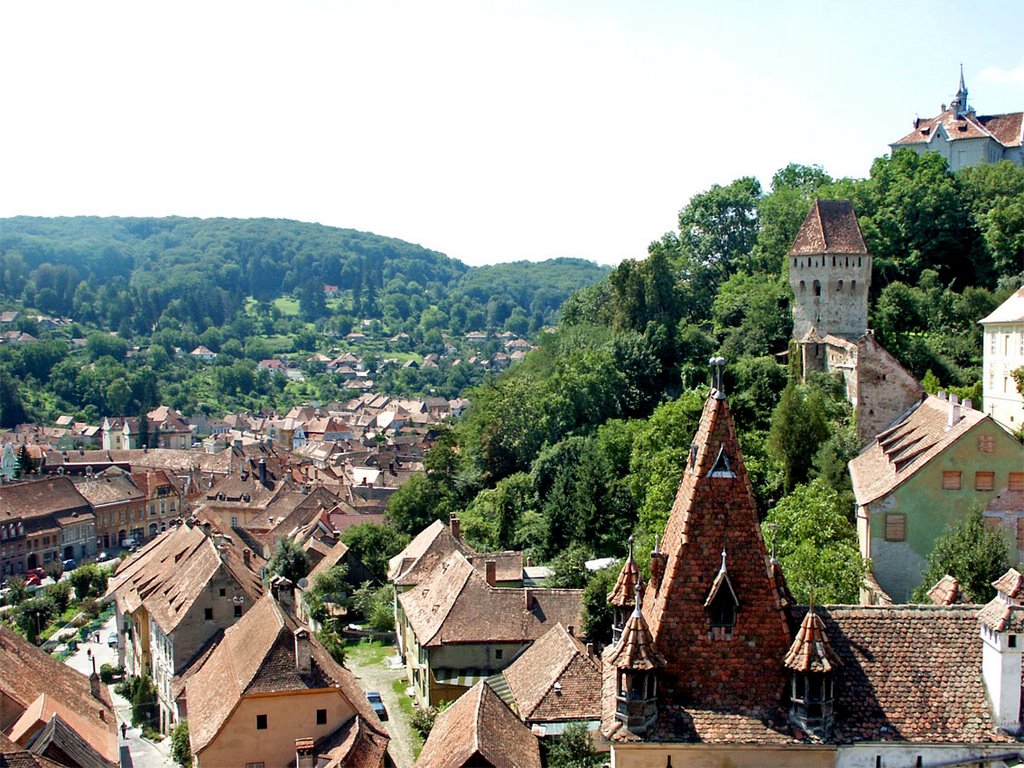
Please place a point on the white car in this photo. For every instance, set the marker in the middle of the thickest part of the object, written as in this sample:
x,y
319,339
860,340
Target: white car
x,y
112,639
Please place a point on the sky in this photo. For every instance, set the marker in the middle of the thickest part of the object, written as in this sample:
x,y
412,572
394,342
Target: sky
x,y
490,131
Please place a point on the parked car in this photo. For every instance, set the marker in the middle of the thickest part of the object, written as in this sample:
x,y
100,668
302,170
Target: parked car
x,y
35,577
69,565
378,705
112,639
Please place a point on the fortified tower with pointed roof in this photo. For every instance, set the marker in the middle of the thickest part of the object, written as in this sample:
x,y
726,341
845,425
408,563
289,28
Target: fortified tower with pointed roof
x,y
830,273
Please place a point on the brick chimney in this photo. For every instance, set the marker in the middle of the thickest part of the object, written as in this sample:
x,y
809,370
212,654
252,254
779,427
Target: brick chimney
x,y
305,755
491,572
453,521
528,599
303,654
94,683
246,556
263,471
657,569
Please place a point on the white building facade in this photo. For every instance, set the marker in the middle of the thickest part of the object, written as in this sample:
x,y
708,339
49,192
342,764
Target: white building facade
x,y
1004,354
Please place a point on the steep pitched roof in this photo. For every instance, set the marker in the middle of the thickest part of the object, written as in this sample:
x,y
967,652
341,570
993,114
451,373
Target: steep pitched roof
x,y
36,498
419,558
354,745
44,687
715,511
257,656
14,756
624,591
830,227
173,570
635,649
555,679
811,650
456,605
478,726
907,446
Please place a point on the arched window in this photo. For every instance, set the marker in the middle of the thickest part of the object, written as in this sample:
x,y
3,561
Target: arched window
x,y
853,286
817,288
839,286
803,287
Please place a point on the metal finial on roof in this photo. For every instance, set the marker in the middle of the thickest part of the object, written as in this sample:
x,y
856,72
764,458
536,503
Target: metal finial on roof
x,y
723,558
717,366
629,557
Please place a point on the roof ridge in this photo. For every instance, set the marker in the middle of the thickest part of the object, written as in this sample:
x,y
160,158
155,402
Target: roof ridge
x,y
821,223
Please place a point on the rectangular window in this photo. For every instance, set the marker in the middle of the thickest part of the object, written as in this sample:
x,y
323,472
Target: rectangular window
x,y
895,527
261,722
208,614
223,591
1011,641
1016,482
984,481
498,653
238,611
321,717
951,481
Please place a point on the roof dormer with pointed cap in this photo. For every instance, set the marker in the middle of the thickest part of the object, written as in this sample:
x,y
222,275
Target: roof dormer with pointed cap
x,y
624,593
811,651
715,511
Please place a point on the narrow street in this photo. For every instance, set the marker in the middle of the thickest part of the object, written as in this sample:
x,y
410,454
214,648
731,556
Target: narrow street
x,y
375,675
136,752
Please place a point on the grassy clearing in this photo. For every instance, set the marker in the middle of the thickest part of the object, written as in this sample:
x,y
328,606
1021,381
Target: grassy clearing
x,y
288,306
370,652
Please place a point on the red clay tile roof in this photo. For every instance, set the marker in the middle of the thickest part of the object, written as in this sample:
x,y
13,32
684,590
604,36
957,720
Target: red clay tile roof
x,y
42,686
479,727
1010,584
555,658
173,570
830,227
1005,128
257,656
1002,616
909,673
508,565
110,488
623,594
904,448
946,591
354,745
635,649
418,560
456,605
811,651
712,514
37,498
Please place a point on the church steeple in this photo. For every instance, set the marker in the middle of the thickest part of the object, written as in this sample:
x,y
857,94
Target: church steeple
x,y
959,104
623,598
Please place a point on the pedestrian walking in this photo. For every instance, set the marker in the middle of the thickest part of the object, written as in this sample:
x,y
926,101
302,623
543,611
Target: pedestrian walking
x,y
124,730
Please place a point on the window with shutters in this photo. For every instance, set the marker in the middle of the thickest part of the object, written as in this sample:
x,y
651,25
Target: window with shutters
x,y
895,527
984,481
1016,481
951,481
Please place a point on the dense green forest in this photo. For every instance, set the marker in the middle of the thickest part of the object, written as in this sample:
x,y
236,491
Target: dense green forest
x,y
248,290
583,444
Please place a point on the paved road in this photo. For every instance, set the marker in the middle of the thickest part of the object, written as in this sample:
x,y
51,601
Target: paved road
x,y
379,677
141,753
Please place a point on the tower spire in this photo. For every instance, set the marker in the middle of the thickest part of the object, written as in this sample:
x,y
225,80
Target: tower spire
x,y
959,104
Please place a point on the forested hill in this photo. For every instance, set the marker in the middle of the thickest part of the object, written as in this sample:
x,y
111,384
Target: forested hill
x,y
128,274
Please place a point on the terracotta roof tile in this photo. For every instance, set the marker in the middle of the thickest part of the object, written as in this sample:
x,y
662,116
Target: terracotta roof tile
x,y
257,655
946,591
811,650
1005,128
1010,584
907,446
635,649
623,594
423,553
354,745
39,683
479,727
555,679
830,227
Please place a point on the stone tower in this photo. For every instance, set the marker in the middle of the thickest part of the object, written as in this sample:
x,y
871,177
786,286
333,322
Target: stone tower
x,y
830,273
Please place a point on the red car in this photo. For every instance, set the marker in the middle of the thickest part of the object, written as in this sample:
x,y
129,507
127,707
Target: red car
x,y
35,577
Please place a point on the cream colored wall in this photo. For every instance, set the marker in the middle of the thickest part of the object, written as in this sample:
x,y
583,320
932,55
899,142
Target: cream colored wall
x,y
1003,353
897,755
289,717
720,756
194,630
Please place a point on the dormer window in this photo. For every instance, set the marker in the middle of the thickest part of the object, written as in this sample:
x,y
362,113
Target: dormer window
x,y
721,605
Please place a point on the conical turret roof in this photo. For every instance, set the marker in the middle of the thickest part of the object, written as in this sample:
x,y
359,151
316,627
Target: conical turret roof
x,y
811,651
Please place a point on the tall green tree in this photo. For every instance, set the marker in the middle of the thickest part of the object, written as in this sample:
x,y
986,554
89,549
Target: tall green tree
x,y
799,427
970,552
289,560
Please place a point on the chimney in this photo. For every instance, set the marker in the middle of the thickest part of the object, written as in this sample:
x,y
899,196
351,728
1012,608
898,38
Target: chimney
x,y
246,556
968,405
591,651
207,528
528,599
303,655
571,630
954,411
941,394
491,572
1001,656
453,521
94,684
305,756
263,471
283,591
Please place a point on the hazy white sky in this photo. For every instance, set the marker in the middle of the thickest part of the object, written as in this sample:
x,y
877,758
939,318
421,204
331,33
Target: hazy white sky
x,y
491,131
